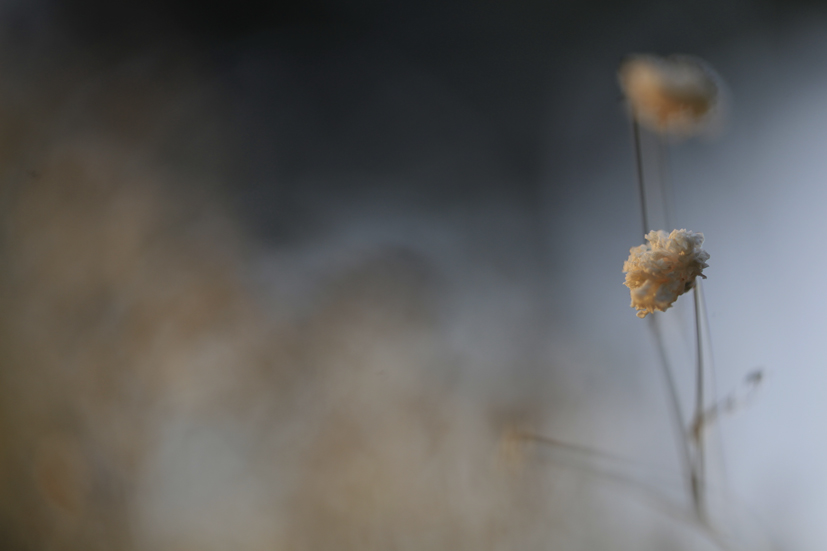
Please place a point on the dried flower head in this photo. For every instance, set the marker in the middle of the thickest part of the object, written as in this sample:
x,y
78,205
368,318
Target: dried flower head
x,y
658,272
675,95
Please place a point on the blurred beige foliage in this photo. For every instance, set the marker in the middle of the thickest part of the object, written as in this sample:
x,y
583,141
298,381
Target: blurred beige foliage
x,y
148,400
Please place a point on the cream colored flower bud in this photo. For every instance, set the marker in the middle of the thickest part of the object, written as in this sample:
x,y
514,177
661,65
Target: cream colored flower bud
x,y
677,95
658,272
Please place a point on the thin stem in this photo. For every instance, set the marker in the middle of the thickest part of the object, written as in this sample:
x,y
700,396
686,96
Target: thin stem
x,y
690,467
713,383
698,423
639,166
685,453
666,191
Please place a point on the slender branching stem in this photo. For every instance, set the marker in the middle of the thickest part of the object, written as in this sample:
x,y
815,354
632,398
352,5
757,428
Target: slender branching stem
x,y
640,183
691,463
698,423
666,191
684,451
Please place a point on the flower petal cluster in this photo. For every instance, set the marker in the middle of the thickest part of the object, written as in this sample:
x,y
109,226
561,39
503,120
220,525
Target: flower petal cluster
x,y
659,271
675,95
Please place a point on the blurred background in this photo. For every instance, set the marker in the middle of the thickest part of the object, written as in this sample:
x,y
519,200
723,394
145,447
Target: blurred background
x,y
299,275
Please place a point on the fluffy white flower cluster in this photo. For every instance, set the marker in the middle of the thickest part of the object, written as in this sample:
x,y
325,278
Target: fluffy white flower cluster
x,y
675,95
658,272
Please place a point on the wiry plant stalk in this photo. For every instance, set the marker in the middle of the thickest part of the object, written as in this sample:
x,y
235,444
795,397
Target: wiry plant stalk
x,y
693,463
685,453
640,183
667,192
699,470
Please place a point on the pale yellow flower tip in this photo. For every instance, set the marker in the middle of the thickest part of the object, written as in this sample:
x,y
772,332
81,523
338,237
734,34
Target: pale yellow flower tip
x,y
659,271
677,95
